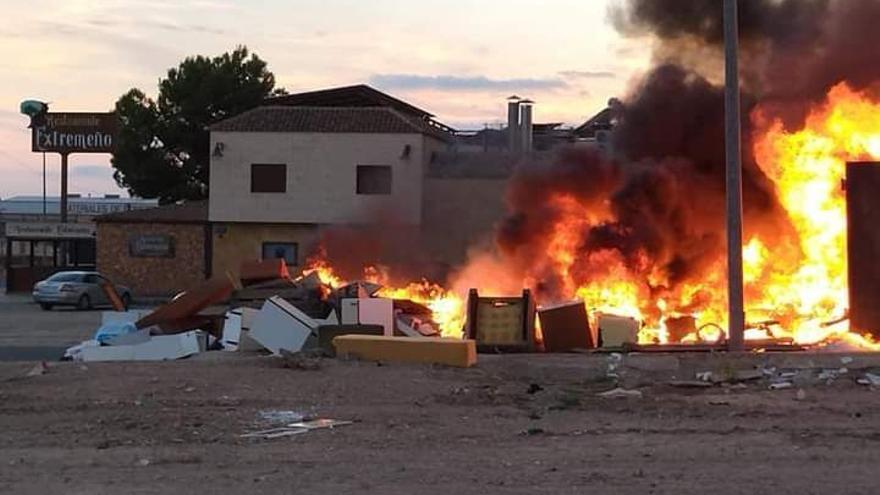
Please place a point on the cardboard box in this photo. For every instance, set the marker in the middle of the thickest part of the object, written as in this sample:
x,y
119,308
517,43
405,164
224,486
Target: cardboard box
x,y
450,352
566,327
615,331
280,325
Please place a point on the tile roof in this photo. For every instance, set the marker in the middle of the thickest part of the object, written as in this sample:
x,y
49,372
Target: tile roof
x,y
359,95
370,120
189,212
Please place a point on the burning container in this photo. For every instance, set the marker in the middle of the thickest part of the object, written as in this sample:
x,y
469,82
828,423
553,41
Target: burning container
x,y
863,245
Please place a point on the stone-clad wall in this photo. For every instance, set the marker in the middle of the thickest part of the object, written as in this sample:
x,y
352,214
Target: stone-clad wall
x,y
152,276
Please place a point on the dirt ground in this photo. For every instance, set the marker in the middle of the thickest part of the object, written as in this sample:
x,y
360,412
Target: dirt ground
x,y
513,424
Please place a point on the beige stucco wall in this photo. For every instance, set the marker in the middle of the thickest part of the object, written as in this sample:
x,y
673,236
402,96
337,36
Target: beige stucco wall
x,y
237,242
321,177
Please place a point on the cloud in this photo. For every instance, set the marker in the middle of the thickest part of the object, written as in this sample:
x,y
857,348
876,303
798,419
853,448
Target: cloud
x,y
457,83
587,74
126,25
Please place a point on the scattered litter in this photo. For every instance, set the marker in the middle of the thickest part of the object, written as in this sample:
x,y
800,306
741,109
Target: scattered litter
x,y
113,329
620,393
40,368
296,428
787,375
869,379
718,402
143,462
274,433
320,423
846,360
280,417
801,394
827,375
704,376
614,361
781,385
532,431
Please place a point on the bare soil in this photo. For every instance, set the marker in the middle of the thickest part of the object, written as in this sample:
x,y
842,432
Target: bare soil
x,y
511,425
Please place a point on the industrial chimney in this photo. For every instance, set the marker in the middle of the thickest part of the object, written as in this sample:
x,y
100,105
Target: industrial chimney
x,y
514,132
526,142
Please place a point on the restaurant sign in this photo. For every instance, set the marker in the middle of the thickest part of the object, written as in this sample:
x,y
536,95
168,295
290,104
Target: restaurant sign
x,y
151,246
72,132
47,230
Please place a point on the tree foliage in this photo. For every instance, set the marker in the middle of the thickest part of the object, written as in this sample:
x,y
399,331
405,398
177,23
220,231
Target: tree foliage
x,y
163,146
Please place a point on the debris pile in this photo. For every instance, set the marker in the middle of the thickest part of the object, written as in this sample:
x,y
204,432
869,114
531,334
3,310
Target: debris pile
x,y
267,310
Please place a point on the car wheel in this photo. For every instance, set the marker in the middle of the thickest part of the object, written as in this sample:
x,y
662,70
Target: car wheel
x,y
84,302
46,306
126,301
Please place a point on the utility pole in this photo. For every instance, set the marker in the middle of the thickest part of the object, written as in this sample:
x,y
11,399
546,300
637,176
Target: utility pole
x,y
736,312
44,186
63,202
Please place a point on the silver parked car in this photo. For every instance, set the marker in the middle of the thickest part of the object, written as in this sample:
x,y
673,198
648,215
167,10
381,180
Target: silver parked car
x,y
80,289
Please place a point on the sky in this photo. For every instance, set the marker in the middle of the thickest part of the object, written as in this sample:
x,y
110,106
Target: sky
x,y
458,59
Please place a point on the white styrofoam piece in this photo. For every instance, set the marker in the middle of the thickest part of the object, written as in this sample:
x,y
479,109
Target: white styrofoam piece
x,y
129,316
232,330
75,352
349,310
158,348
377,311
280,325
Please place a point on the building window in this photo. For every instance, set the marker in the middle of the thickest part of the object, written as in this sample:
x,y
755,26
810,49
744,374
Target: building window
x,y
373,179
268,178
286,250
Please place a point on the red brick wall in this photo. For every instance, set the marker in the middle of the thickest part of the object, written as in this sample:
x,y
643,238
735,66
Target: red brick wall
x,y
152,276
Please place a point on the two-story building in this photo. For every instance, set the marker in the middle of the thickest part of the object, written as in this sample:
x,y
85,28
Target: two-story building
x,y
283,171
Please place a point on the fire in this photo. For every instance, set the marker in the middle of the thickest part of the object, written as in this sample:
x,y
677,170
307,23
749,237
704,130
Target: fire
x,y
795,282
805,279
447,308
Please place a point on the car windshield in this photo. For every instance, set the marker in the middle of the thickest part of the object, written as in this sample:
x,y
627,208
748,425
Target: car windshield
x,y
65,277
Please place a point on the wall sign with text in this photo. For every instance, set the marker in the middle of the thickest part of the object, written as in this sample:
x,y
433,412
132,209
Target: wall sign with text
x,y
151,246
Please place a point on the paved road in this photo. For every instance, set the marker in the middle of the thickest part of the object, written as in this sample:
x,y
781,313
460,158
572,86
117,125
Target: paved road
x,y
28,333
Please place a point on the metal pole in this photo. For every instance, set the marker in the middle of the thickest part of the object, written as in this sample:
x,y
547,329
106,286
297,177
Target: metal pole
x,y
63,204
44,184
736,312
